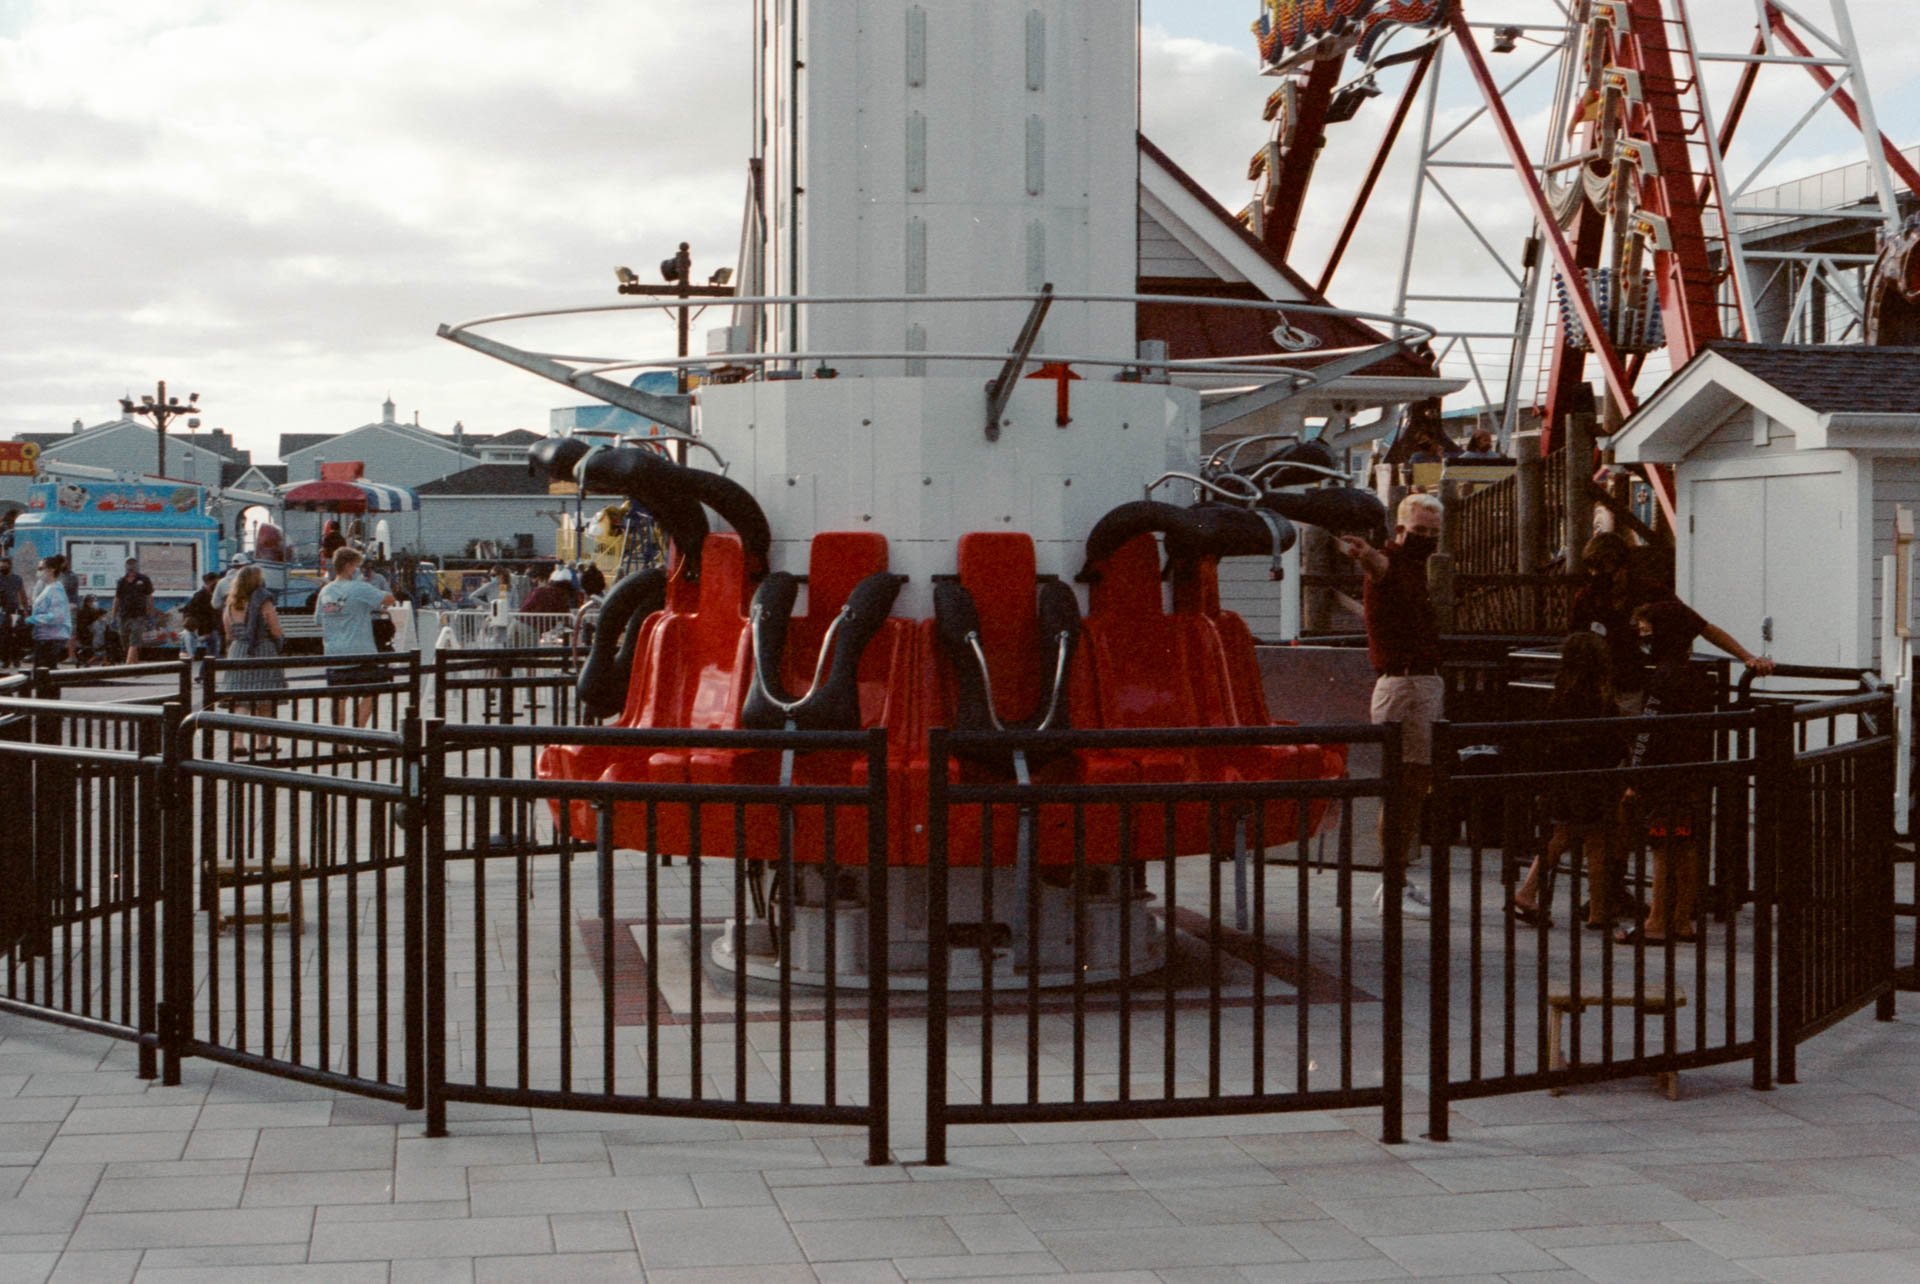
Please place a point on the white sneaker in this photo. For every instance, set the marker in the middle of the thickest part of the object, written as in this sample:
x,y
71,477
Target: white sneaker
x,y
1413,901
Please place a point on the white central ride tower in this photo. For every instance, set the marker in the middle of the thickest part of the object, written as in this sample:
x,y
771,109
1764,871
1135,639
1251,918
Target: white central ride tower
x,y
906,152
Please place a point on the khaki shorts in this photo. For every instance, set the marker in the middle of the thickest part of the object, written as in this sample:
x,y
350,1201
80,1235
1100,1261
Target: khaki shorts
x,y
1415,702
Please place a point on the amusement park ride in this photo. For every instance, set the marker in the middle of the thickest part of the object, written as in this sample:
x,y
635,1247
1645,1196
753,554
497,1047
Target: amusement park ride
x,y
1646,233
948,422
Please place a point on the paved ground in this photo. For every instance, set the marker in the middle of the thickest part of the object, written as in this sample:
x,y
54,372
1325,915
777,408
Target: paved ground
x,y
236,1176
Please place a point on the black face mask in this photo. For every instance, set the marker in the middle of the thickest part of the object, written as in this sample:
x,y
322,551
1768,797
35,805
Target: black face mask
x,y
1419,547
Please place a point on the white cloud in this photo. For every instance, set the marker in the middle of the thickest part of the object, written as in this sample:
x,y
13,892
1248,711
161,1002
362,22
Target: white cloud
x,y
275,204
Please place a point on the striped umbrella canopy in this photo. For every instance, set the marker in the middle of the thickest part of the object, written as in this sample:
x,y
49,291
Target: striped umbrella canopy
x,y
325,497
350,497
382,498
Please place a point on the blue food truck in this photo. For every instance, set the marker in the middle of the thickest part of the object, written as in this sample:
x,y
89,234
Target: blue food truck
x,y
99,524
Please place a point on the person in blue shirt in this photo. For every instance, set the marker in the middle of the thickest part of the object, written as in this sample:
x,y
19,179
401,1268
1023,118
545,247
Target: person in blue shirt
x,y
51,618
345,607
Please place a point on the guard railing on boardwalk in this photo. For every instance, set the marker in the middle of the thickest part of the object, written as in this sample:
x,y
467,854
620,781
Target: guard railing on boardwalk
x,y
81,864
1836,867
1546,1003
675,1027
1207,1001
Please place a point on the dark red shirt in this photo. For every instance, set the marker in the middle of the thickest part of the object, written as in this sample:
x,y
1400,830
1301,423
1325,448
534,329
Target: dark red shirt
x,y
1402,634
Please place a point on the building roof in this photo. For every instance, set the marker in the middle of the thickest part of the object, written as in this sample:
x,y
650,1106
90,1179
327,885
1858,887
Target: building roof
x,y
1825,378
485,479
1829,398
233,470
292,443
1194,330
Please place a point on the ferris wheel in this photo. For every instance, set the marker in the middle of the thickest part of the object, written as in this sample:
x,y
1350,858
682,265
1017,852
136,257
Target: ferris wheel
x,y
1645,141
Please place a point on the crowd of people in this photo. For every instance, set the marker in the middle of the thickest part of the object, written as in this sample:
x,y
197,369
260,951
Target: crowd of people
x,y
1630,653
68,627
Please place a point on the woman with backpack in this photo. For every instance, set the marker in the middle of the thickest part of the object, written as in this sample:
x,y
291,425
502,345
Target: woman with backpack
x,y
254,627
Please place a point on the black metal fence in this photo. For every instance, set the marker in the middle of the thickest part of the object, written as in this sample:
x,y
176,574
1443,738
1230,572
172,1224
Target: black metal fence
x,y
81,864
1835,883
1079,969
781,880
1600,905
296,882
308,863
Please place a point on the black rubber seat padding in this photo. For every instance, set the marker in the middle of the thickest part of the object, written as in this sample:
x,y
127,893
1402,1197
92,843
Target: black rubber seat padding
x,y
1316,453
1340,509
834,702
602,684
956,622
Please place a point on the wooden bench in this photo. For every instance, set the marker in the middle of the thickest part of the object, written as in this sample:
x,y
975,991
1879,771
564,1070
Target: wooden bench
x,y
300,633
1561,1002
254,874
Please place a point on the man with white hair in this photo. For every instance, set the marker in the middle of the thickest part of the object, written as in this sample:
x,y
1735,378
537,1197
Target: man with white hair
x,y
1403,642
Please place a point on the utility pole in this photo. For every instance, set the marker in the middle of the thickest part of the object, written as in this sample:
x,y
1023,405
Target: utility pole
x,y
159,409
678,273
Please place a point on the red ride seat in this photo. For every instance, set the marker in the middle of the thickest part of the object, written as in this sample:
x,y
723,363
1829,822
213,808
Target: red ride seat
x,y
1197,594
694,675
1159,670
998,570
837,562
590,762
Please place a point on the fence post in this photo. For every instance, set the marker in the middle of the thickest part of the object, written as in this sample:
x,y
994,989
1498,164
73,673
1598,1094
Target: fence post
x,y
151,802
1878,799
879,949
1439,961
177,890
1529,497
937,946
1579,477
434,1035
1783,889
1773,782
49,791
413,821
1394,970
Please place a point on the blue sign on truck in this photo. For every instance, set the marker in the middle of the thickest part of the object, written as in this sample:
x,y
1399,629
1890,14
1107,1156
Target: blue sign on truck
x,y
98,525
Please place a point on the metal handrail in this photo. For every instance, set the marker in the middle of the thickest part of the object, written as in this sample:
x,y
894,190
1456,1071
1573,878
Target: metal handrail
x,y
1402,334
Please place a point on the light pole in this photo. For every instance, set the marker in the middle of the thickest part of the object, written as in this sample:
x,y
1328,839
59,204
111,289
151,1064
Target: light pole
x,y
159,409
678,272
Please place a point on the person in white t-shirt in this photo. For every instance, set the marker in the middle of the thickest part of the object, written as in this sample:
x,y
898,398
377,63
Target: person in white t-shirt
x,y
345,607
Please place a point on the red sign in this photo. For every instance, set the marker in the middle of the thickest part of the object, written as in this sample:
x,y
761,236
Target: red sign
x,y
1297,31
19,458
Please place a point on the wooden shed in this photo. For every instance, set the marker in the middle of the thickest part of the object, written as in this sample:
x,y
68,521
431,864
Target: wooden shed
x,y
1790,465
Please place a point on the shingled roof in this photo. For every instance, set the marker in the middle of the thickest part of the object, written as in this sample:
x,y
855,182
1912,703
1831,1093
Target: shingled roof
x,y
1829,379
485,479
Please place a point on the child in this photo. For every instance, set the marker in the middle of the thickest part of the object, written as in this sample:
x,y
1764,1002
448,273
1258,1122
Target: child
x,y
1673,814
90,627
1581,812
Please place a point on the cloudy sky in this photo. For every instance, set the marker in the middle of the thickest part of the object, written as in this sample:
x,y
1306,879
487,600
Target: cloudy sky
x,y
274,204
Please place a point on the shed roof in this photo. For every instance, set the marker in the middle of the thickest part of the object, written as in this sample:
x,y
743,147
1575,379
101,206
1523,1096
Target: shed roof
x,y
1824,378
1846,398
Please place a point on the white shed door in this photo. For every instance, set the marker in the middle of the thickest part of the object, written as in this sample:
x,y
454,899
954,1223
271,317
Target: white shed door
x,y
1773,552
